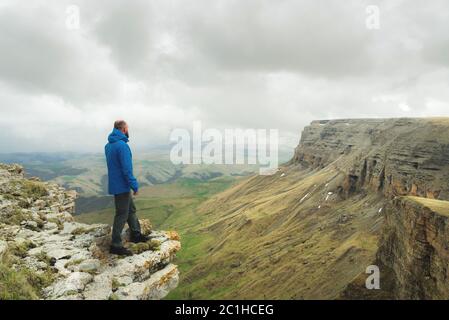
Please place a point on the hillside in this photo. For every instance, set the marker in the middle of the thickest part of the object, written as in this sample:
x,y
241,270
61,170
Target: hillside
x,y
45,254
87,173
355,193
310,230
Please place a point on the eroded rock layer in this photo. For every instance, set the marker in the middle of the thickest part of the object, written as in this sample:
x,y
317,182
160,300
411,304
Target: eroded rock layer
x,y
415,247
396,156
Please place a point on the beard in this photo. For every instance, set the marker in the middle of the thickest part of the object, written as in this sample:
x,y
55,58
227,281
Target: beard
x,y
127,135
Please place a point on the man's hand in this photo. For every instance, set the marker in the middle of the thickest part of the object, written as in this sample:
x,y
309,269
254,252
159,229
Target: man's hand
x,y
135,193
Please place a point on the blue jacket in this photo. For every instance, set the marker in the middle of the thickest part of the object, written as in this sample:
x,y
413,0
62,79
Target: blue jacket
x,y
120,166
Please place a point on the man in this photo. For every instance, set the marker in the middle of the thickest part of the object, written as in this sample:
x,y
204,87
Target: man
x,y
121,182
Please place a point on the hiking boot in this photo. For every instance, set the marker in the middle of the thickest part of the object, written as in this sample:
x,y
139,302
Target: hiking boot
x,y
139,238
121,251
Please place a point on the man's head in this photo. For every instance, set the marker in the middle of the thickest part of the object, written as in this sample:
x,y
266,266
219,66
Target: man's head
x,y
122,126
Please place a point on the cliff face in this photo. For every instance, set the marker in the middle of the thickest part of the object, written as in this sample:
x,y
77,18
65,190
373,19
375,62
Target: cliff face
x,y
407,161
415,247
63,259
395,156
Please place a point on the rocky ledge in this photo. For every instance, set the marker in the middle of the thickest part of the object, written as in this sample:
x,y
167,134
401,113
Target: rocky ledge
x,y
64,259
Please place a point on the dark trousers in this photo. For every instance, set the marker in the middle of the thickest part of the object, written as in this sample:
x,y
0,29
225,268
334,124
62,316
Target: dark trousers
x,y
125,211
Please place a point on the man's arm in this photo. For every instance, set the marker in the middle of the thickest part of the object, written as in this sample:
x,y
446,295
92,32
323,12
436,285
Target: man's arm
x,y
127,167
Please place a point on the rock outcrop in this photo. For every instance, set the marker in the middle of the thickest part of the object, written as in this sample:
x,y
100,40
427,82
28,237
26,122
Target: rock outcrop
x,y
398,157
70,259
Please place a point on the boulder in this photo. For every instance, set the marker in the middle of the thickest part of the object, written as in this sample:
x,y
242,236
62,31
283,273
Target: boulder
x,y
90,266
73,284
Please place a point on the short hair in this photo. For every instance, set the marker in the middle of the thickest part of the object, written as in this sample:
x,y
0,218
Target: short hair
x,y
119,124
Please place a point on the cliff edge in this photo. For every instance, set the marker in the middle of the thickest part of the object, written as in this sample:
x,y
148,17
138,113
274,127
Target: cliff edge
x,y
45,254
414,248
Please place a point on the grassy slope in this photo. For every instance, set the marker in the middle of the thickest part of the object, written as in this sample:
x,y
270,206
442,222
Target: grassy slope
x,y
257,239
438,206
267,243
14,285
17,282
167,205
174,206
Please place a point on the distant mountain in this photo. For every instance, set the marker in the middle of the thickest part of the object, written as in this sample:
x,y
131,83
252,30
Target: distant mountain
x,y
87,174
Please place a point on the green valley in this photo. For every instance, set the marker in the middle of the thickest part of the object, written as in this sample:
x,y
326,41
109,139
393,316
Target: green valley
x,y
174,206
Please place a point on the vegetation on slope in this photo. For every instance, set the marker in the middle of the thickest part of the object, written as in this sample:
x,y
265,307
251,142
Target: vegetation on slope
x,y
438,206
18,282
14,285
287,236
174,206
266,237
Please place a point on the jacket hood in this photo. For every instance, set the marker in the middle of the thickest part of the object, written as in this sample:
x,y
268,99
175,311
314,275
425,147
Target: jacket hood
x,y
117,135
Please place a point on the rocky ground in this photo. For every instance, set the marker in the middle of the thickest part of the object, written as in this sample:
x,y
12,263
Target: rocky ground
x,y
59,258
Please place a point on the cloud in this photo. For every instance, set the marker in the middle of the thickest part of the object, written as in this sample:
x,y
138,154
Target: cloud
x,y
249,64
319,37
126,30
41,56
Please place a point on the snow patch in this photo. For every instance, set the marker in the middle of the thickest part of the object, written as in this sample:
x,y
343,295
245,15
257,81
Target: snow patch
x,y
303,198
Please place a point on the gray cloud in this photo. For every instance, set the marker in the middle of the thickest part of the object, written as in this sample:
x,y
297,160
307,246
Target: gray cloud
x,y
318,37
258,64
40,56
126,31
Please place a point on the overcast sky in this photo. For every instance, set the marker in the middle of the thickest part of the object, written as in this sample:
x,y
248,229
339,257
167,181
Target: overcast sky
x,y
274,64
